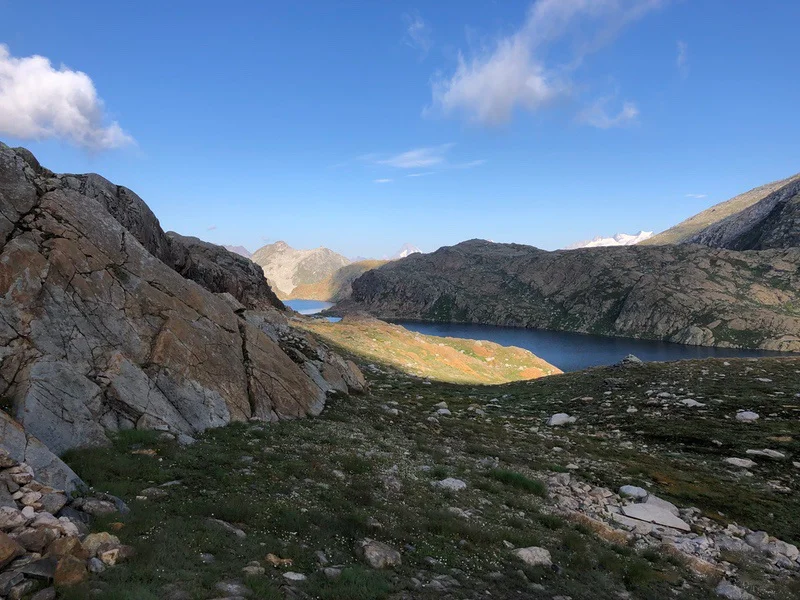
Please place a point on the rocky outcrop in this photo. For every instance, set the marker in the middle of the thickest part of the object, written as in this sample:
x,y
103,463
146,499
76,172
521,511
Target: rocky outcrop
x,y
765,217
221,271
17,446
212,266
286,267
687,293
100,332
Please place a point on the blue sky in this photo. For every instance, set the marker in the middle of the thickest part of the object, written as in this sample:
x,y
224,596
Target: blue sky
x,y
363,125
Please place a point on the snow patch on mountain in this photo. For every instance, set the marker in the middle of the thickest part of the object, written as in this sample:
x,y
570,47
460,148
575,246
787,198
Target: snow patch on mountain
x,y
619,239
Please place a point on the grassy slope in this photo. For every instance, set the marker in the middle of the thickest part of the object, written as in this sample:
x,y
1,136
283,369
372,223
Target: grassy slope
x,y
359,471
441,358
686,229
335,287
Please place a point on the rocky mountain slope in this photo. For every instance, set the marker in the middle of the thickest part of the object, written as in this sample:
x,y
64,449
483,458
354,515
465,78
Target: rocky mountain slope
x,y
107,323
286,267
765,217
441,358
689,294
337,286
618,239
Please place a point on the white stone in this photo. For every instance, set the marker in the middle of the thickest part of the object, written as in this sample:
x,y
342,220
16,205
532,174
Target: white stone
x,y
746,416
655,514
450,483
668,506
691,403
744,463
445,412
560,419
766,452
292,576
632,491
534,556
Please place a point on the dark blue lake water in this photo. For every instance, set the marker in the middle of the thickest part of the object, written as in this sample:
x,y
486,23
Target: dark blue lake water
x,y
567,351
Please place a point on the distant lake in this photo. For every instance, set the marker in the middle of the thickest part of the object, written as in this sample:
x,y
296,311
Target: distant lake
x,y
307,307
575,351
567,351
311,307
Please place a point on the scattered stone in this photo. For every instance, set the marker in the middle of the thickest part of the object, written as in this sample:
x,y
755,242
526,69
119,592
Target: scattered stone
x,y
631,359
227,527
233,588
727,590
747,416
332,572
70,571
559,419
377,554
744,463
766,452
668,506
292,576
655,514
450,484
534,556
45,594
9,550
94,541
632,491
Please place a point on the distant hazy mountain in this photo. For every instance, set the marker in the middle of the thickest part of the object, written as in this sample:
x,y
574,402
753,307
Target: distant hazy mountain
x,y
286,268
620,239
240,250
763,218
405,250
337,286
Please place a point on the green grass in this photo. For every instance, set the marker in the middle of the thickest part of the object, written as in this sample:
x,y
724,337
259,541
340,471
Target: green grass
x,y
291,501
519,481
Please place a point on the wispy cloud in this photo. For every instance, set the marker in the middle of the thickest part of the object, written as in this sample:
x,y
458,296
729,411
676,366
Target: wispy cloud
x,y
598,115
422,174
512,74
470,165
416,158
697,196
38,101
211,228
682,60
382,180
418,33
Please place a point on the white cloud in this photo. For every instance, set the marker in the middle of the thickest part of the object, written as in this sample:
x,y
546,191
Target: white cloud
x,y
597,114
418,33
488,87
423,174
38,101
383,180
211,228
697,196
417,158
682,61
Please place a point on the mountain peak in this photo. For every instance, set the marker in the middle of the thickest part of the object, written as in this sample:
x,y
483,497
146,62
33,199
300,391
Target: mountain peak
x,y
618,239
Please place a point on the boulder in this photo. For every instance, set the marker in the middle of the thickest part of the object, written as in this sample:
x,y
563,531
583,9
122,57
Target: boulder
x,y
727,590
451,484
534,556
560,419
744,463
651,513
747,416
377,554
632,491
9,550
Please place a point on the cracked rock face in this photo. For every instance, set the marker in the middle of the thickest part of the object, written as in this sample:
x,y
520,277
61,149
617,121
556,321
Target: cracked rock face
x,y
99,331
686,293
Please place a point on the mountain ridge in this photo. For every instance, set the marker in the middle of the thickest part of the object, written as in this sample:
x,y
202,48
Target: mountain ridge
x,y
688,294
